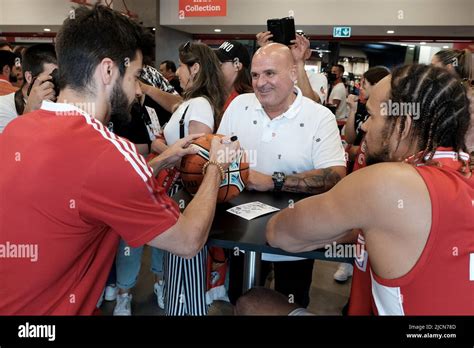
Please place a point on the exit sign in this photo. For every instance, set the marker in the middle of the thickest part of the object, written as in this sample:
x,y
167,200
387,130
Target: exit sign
x,y
341,32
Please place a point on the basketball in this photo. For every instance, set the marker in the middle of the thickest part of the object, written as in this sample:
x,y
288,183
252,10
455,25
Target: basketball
x,y
235,176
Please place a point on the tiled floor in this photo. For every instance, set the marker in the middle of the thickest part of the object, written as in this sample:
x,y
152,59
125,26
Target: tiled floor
x,y
327,296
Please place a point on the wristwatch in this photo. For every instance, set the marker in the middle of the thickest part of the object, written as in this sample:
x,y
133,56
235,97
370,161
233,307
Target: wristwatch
x,y
278,181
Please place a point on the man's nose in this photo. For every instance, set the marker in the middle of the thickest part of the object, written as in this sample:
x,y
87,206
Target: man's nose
x,y
138,90
261,80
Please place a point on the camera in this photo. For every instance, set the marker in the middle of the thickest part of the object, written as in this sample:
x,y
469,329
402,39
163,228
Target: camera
x,y
54,80
283,30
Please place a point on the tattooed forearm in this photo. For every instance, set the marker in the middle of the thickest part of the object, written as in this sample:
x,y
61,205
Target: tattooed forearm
x,y
319,182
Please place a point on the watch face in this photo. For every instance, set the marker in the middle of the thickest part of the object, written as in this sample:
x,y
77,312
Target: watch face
x,y
278,176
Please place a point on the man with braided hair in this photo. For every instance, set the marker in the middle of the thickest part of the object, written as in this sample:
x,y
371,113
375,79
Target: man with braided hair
x,y
416,210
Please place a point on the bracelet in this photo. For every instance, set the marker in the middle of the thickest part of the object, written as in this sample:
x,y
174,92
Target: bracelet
x,y
208,163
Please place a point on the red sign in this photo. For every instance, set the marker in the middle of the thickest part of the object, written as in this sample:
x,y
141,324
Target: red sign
x,y
202,8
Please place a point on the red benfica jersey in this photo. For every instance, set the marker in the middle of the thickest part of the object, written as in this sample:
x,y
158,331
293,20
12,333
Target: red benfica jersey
x,y
360,157
69,189
442,280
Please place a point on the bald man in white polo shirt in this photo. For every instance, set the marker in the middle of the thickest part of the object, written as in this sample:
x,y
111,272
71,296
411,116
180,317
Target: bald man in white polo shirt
x,y
297,146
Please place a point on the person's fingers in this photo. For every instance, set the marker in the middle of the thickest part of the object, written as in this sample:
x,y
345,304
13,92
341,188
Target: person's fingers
x,y
190,150
264,37
228,139
41,79
45,87
50,96
216,141
186,141
264,34
235,145
268,35
36,83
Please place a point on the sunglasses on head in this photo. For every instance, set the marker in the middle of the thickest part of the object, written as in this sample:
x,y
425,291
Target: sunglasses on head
x,y
187,46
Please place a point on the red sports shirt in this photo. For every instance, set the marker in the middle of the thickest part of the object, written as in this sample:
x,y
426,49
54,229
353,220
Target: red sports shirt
x,y
442,280
69,188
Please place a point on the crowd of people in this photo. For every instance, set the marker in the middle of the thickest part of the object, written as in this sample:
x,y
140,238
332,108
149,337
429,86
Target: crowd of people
x,y
90,190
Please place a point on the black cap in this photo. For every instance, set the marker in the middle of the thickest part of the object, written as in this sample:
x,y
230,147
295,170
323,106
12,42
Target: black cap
x,y
229,50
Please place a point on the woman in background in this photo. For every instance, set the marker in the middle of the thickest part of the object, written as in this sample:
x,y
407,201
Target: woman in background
x,y
235,66
201,78
459,62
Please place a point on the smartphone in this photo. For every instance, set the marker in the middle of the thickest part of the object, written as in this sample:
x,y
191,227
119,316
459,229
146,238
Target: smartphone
x,y
283,30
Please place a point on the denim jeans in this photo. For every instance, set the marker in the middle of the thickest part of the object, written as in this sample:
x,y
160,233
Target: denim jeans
x,y
128,264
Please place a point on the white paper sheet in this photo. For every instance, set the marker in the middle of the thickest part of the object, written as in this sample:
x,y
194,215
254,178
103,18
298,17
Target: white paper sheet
x,y
252,210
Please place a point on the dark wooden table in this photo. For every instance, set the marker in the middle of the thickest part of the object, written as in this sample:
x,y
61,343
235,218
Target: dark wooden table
x,y
230,231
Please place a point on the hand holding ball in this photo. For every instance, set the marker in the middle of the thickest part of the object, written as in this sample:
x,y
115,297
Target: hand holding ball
x,y
235,173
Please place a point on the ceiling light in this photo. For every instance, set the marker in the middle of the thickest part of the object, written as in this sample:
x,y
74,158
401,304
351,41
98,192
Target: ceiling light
x,y
422,43
299,31
411,46
390,31
217,30
445,46
47,29
404,45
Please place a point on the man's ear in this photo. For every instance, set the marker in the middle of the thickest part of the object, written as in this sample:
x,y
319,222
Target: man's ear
x,y
28,76
408,124
6,70
293,74
107,71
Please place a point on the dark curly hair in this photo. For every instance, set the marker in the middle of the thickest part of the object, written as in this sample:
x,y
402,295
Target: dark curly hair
x,y
443,104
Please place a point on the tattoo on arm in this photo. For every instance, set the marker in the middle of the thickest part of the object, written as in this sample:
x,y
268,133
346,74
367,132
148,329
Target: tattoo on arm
x,y
321,182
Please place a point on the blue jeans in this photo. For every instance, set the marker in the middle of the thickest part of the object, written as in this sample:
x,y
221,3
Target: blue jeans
x,y
128,263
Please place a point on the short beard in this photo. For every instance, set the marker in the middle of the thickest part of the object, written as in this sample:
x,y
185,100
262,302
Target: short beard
x,y
120,109
383,155
13,78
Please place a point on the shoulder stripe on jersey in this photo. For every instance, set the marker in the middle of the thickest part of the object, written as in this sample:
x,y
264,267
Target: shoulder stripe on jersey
x,y
136,161
132,149
450,154
129,156
129,147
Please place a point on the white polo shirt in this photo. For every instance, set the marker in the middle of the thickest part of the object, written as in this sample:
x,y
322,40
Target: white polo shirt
x,y
303,138
7,110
